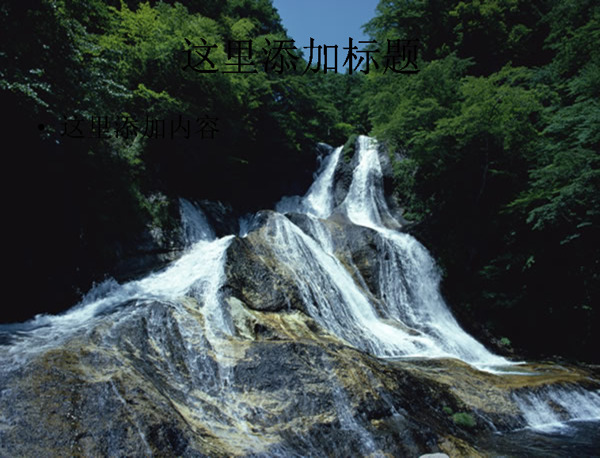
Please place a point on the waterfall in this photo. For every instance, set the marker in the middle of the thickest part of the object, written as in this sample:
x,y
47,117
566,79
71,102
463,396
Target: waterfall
x,y
318,201
365,204
413,319
197,273
551,407
335,300
195,226
187,335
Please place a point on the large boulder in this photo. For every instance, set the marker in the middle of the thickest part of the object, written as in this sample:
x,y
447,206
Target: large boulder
x,y
256,278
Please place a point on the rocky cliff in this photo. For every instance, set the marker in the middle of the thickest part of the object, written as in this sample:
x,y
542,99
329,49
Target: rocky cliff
x,y
316,330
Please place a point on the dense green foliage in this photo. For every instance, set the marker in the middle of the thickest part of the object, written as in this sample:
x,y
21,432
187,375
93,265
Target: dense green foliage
x,y
501,134
83,204
499,131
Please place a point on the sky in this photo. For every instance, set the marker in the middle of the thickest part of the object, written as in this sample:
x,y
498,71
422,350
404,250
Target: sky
x,y
329,22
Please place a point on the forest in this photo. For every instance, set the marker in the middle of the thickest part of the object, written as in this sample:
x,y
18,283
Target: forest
x,y
495,144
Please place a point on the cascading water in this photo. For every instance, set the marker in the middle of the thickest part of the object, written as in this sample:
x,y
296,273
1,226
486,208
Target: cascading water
x,y
195,227
195,346
365,204
318,201
336,302
164,307
413,319
197,272
551,407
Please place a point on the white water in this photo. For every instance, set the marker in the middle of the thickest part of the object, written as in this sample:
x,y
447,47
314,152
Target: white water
x,y
195,226
551,408
403,316
197,273
412,319
334,299
365,204
318,201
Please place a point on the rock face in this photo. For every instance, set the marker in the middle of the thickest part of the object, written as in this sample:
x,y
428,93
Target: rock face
x,y
307,335
143,392
256,279
156,382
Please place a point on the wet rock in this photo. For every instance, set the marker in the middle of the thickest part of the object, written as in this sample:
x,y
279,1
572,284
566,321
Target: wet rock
x,y
158,378
221,217
244,371
386,159
342,177
258,281
145,257
355,246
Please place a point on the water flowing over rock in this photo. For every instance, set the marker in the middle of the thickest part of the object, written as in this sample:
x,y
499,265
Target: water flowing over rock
x,y
318,330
